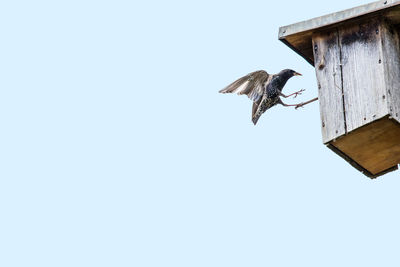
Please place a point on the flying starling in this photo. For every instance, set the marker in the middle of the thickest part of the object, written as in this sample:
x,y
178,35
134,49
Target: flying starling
x,y
263,89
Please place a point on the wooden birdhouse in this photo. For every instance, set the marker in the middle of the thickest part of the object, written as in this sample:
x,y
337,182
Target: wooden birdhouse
x,y
356,55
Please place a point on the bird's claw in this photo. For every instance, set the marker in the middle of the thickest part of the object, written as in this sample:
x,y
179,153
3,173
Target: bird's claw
x,y
298,93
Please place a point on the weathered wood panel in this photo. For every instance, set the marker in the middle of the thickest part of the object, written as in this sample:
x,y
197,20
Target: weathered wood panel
x,y
363,74
370,9
298,36
297,43
391,64
376,146
328,71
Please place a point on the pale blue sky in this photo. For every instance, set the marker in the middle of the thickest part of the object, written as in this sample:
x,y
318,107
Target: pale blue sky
x,y
117,150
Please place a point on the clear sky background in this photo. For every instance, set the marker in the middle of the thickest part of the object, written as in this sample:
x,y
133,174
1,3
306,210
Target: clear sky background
x,y
117,150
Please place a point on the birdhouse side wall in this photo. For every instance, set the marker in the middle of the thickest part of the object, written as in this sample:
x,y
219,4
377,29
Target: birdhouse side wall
x,y
329,77
358,72
364,84
391,57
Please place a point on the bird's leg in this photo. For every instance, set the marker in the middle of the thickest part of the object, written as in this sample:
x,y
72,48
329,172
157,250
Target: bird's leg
x,y
295,93
289,105
300,104
307,102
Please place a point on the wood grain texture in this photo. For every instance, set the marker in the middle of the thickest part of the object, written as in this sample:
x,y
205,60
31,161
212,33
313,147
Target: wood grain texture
x,y
301,44
353,163
363,74
370,9
328,71
298,36
376,146
391,64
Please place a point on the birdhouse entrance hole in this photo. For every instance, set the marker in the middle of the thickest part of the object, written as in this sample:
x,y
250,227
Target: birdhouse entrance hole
x,y
356,55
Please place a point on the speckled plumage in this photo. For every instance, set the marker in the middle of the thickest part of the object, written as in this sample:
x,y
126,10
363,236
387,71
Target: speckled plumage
x,y
262,88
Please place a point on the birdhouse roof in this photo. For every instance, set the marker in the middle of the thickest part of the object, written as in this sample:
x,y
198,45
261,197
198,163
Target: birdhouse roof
x,y
298,36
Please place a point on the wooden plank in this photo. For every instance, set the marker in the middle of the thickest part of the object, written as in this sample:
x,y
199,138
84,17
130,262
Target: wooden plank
x,y
296,43
298,36
375,147
391,64
328,71
358,166
337,17
363,73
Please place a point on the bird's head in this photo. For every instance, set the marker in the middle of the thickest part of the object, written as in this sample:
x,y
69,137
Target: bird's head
x,y
283,76
288,73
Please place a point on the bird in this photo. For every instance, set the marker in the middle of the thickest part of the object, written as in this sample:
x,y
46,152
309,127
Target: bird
x,y
263,89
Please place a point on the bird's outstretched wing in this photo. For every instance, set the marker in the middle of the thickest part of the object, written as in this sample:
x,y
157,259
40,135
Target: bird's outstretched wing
x,y
254,111
251,85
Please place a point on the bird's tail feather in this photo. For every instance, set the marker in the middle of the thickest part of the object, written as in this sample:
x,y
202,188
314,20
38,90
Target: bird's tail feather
x,y
255,118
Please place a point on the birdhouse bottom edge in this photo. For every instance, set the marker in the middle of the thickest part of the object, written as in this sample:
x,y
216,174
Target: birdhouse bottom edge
x,y
373,149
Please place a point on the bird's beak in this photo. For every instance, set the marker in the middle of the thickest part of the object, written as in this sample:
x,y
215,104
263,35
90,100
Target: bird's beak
x,y
297,74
